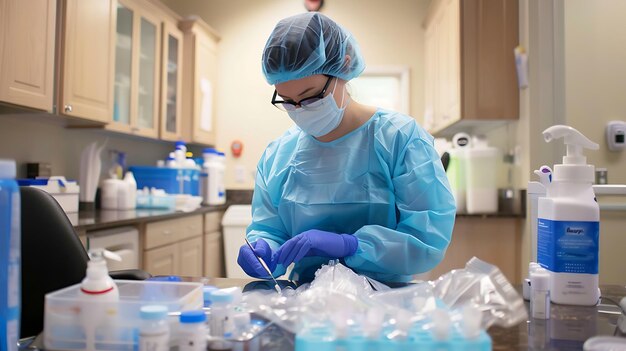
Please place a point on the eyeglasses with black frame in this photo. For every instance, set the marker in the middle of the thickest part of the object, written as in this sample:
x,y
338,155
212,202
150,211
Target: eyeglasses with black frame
x,y
286,105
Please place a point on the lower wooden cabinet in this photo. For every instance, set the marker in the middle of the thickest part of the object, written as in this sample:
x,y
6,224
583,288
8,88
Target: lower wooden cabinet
x,y
183,258
162,261
190,257
213,255
497,240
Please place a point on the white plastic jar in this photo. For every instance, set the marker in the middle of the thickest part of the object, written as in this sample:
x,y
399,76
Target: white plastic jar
x,y
154,333
192,331
221,324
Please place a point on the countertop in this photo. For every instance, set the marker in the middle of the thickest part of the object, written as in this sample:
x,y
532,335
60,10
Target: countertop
x,y
103,219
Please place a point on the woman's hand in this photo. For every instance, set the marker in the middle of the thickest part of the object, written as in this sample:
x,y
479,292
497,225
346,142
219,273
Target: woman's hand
x,y
316,243
250,264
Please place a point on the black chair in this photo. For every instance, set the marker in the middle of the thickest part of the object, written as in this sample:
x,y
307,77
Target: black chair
x,y
53,256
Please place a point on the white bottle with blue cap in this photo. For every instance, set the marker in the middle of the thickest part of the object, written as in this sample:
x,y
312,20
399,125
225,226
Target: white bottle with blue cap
x,y
10,273
568,223
154,333
221,324
192,331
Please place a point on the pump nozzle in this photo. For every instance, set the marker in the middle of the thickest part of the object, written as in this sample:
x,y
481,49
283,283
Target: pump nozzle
x,y
99,253
574,140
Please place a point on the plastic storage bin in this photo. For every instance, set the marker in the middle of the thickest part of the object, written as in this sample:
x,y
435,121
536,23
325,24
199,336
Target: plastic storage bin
x,y
172,180
117,329
64,191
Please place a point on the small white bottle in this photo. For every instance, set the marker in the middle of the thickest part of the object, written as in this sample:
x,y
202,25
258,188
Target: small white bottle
x,y
208,155
180,153
214,168
170,162
192,331
221,192
154,333
221,324
540,294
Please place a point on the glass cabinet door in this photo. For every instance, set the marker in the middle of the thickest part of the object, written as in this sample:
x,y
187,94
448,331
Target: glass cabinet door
x,y
146,111
173,71
123,65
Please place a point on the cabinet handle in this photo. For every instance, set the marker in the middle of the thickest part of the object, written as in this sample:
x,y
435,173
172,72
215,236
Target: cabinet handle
x,y
68,108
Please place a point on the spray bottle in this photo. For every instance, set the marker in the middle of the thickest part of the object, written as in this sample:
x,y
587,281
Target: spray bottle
x,y
568,223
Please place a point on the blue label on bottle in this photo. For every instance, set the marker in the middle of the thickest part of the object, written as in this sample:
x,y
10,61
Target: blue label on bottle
x,y
568,246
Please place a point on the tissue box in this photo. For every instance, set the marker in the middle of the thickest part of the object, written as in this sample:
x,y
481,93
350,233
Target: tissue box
x,y
64,191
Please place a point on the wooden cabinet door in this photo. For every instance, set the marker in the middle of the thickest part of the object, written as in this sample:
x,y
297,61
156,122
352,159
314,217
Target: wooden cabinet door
x,y
199,81
137,70
204,89
171,83
88,59
190,255
213,255
162,261
27,41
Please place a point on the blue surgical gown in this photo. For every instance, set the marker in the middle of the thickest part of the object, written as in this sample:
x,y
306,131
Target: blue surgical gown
x,y
383,182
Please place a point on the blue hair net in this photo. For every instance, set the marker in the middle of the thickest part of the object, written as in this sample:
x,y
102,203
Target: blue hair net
x,y
308,44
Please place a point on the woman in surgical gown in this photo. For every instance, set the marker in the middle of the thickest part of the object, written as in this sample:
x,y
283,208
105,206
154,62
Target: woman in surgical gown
x,y
351,182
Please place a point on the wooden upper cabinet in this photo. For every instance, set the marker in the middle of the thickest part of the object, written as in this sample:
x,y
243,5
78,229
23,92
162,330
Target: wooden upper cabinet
x,y
137,69
171,128
87,59
470,65
199,81
27,43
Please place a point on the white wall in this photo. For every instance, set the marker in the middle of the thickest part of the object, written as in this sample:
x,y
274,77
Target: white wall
x,y
389,32
44,138
595,93
595,75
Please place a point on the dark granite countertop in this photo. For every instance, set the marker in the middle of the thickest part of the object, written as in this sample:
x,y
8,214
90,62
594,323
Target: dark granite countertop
x,y
103,219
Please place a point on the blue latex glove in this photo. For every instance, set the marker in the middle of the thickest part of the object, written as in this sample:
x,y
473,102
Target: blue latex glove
x,y
249,262
316,243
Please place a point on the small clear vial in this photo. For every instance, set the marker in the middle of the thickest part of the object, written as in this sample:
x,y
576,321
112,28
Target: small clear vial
x,y
192,331
540,294
154,333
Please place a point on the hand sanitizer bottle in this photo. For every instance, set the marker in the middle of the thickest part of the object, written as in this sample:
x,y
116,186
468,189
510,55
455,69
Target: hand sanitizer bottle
x,y
568,223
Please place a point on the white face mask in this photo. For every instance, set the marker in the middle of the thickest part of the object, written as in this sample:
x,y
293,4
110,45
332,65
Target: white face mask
x,y
320,117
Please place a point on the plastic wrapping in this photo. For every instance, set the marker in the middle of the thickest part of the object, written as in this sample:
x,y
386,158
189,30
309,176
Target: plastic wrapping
x,y
343,300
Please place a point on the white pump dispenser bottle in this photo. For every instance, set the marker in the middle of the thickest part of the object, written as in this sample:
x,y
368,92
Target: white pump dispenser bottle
x,y
98,294
568,223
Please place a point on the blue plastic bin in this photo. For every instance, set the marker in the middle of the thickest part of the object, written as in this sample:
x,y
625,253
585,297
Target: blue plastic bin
x,y
172,180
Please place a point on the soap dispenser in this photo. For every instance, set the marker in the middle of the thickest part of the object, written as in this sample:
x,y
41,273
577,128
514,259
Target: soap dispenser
x,y
98,295
568,223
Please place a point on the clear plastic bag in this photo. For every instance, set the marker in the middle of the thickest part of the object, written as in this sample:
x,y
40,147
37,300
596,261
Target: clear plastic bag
x,y
343,298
